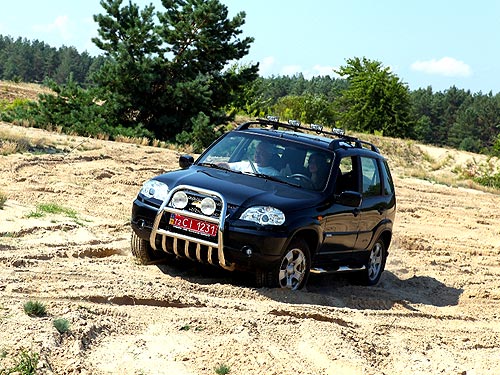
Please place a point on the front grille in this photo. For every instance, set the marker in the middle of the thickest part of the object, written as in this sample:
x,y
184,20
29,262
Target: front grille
x,y
195,198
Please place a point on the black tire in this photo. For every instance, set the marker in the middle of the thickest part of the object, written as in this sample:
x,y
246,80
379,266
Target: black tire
x,y
144,253
292,270
141,249
375,265
263,278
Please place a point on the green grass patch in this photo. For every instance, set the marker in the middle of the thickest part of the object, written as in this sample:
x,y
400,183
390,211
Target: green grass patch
x,y
35,308
27,363
35,215
62,325
222,369
52,208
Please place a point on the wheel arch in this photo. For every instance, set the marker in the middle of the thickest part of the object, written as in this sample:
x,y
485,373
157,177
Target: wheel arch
x,y
311,238
386,237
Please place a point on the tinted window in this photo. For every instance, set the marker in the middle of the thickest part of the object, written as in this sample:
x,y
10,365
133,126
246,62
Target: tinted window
x,y
294,163
386,175
370,177
346,176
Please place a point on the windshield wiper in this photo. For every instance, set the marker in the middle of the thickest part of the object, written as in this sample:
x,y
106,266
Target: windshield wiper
x,y
274,178
213,165
217,166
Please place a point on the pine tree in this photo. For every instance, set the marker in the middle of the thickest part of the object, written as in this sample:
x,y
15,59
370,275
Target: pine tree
x,y
166,68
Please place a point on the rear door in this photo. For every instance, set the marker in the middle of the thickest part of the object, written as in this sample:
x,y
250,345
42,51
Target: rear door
x,y
374,205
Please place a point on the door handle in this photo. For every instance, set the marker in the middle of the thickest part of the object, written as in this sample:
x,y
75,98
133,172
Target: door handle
x,y
356,212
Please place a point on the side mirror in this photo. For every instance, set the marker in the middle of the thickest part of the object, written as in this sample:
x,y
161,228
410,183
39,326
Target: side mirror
x,y
350,198
185,161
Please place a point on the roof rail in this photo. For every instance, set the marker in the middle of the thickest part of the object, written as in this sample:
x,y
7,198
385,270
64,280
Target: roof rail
x,y
296,126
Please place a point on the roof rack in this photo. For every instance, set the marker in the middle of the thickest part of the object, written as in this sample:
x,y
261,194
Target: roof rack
x,y
296,126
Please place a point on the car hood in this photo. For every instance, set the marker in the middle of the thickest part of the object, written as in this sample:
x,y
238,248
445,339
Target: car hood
x,y
243,190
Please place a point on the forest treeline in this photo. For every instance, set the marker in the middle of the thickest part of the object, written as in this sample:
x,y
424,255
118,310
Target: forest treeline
x,y
454,117
158,77
22,60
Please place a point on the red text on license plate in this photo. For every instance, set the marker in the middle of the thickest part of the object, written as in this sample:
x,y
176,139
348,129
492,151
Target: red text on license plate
x,y
194,225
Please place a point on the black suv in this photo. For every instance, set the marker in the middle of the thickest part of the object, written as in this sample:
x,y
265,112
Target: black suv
x,y
277,199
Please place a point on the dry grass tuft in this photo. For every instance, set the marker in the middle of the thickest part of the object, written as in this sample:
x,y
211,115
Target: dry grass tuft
x,y
10,90
3,199
132,140
8,148
11,142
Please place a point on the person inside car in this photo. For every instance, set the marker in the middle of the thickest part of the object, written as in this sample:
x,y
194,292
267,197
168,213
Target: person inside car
x,y
318,168
262,162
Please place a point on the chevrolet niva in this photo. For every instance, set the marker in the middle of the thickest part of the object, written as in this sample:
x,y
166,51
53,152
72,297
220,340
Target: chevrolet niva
x,y
281,200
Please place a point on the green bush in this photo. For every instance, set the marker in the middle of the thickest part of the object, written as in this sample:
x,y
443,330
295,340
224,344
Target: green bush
x,y
202,135
492,181
495,150
18,109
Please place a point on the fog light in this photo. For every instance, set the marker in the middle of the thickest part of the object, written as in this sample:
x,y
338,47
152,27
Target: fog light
x,y
180,200
247,250
208,206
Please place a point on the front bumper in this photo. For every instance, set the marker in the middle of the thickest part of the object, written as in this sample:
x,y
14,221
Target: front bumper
x,y
238,244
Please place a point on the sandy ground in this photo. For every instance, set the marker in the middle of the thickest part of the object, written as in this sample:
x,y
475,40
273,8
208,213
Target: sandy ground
x,y
435,311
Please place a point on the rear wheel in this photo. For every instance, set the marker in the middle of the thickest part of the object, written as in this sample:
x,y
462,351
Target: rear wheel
x,y
375,265
292,270
143,252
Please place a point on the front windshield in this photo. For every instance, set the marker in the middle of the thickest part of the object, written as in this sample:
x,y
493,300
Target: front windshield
x,y
288,162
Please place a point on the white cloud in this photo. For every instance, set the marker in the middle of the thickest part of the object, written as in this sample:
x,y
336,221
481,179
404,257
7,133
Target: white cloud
x,y
446,66
270,66
320,70
266,65
61,25
317,70
290,70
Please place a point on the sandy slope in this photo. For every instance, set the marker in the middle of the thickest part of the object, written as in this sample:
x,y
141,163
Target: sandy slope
x,y
435,311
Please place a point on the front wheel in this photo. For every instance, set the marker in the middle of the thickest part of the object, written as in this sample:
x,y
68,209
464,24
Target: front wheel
x,y
293,269
375,265
144,253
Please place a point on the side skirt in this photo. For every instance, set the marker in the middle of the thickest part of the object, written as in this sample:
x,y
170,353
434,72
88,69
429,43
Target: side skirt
x,y
336,270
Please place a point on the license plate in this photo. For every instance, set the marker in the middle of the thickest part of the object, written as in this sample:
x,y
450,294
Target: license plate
x,y
194,225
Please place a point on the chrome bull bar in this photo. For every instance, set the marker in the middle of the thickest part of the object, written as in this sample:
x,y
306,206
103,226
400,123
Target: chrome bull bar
x,y
211,245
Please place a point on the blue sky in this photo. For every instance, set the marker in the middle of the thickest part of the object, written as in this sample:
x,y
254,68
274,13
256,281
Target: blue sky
x,y
437,43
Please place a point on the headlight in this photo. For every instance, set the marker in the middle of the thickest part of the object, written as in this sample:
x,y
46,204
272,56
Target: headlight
x,y
155,189
264,215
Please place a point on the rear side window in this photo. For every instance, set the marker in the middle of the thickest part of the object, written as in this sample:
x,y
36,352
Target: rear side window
x,y
346,175
386,175
371,185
